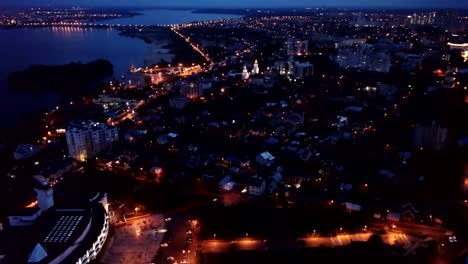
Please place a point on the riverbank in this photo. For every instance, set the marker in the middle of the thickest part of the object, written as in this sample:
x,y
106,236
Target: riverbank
x,y
224,11
148,35
70,79
170,47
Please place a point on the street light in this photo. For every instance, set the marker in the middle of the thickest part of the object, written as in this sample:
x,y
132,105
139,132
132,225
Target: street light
x,y
214,236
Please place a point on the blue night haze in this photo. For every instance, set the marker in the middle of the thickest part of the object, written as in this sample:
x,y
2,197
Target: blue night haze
x,y
247,3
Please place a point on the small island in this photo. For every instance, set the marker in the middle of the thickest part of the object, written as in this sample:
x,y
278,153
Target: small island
x,y
69,79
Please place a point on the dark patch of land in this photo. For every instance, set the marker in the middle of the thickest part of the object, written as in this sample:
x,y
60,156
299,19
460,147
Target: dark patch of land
x,y
70,80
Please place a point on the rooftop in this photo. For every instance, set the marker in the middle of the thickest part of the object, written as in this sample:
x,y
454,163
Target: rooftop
x,y
266,155
87,125
58,234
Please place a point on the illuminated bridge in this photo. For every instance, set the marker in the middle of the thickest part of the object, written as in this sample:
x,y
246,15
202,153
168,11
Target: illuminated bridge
x,y
460,46
93,25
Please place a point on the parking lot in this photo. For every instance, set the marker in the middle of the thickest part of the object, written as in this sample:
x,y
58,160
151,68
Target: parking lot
x,y
135,241
178,242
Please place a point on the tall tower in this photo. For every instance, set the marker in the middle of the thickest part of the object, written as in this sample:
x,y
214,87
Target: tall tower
x,y
245,73
290,65
255,69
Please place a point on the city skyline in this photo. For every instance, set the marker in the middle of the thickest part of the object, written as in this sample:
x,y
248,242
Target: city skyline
x,y
245,3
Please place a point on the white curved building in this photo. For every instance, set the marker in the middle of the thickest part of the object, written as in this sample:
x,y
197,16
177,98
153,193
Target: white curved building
x,y
71,234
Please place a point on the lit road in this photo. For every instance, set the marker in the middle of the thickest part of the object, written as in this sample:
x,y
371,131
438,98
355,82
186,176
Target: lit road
x,y
435,232
129,114
218,246
193,45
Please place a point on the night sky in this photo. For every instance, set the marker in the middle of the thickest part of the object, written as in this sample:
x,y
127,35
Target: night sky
x,y
245,3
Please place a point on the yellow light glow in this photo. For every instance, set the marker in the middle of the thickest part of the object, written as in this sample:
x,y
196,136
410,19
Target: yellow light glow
x,y
465,55
83,156
31,205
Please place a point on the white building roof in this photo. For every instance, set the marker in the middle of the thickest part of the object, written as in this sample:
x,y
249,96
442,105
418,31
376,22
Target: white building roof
x,y
172,135
229,186
38,254
266,155
353,207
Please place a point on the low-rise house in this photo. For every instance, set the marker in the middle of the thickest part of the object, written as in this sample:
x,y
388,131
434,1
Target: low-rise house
x,y
408,213
352,207
257,186
265,159
166,138
224,181
275,180
393,216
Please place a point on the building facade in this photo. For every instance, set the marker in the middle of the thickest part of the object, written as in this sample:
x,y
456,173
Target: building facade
x,y
295,47
191,89
364,57
86,139
434,137
303,69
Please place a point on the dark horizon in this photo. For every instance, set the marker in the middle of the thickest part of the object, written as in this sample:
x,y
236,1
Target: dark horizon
x,y
136,7
244,4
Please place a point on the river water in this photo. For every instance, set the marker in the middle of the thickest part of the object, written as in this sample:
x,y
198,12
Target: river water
x,y
22,47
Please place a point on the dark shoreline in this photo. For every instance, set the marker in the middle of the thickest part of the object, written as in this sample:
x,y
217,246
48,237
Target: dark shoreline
x,y
182,52
148,36
238,12
85,78
70,79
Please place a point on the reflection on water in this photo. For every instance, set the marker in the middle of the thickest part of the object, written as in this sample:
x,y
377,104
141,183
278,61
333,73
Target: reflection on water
x,y
23,47
61,45
167,17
